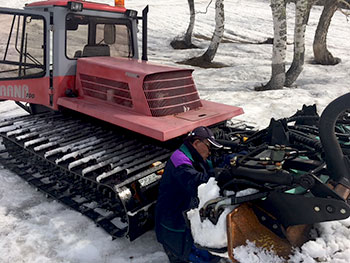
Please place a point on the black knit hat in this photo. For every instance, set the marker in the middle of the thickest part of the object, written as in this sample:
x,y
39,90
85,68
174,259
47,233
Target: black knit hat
x,y
203,132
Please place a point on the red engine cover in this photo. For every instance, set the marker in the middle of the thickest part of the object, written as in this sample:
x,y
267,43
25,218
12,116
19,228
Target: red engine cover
x,y
157,101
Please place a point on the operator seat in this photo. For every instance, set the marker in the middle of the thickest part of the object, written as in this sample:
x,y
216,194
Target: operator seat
x,y
96,51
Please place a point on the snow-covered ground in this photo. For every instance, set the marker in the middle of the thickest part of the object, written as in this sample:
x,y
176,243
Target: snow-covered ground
x,y
35,229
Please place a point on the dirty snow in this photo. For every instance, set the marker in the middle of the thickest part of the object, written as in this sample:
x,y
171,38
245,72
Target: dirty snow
x,y
206,233
36,229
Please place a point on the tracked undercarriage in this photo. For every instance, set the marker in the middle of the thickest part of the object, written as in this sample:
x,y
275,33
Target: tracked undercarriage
x,y
100,172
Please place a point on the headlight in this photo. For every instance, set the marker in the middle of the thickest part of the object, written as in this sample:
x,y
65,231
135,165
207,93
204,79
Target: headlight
x,y
75,6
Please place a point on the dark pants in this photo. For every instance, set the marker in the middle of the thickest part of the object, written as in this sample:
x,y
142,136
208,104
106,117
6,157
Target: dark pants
x,y
196,256
172,257
179,247
177,244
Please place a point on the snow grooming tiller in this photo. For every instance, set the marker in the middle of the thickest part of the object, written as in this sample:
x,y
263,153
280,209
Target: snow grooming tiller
x,y
297,180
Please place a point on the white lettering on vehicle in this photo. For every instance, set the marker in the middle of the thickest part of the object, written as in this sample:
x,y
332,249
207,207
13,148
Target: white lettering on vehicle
x,y
16,91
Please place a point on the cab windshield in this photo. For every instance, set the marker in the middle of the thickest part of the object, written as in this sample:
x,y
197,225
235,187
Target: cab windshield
x,y
89,36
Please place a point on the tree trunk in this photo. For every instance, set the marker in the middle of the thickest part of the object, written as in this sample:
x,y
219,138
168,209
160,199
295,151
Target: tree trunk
x,y
321,53
278,75
189,31
299,42
185,41
310,4
209,55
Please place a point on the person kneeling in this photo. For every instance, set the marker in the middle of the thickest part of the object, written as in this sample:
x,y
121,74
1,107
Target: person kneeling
x,y
188,167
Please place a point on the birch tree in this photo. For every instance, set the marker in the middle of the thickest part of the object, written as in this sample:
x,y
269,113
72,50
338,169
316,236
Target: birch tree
x,y
185,42
209,55
321,53
301,10
278,75
279,78
206,59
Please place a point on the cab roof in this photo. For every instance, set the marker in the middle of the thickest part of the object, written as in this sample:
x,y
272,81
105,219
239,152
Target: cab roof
x,y
86,5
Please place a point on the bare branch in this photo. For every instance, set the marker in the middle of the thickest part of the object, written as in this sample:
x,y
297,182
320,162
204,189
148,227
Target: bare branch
x,y
344,2
341,10
345,13
206,10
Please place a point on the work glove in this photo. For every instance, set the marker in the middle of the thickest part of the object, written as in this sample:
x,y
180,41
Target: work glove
x,y
223,176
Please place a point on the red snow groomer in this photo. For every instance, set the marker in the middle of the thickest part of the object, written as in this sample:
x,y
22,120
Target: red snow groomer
x,y
81,57
103,123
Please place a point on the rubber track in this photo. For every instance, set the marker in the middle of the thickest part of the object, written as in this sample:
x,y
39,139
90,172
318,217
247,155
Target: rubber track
x,y
97,171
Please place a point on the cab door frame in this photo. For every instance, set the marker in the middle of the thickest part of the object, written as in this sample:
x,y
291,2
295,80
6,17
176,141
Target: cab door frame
x,y
33,88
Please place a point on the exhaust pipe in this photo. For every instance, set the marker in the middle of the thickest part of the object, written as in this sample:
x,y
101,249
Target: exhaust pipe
x,y
337,163
144,33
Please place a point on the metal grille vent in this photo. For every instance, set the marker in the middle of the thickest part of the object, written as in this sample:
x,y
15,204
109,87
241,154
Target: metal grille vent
x,y
112,91
171,93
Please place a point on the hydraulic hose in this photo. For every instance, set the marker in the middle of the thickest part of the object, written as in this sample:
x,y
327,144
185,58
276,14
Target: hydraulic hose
x,y
303,118
337,163
264,176
305,140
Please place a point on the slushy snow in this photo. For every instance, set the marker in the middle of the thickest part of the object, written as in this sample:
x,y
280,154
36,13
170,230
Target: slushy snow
x,y
34,229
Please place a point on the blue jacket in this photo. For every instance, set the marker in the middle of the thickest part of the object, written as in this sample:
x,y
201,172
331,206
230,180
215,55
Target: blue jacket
x,y
184,172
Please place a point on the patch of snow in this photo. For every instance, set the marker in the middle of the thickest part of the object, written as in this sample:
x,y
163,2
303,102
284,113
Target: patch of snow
x,y
34,229
206,233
